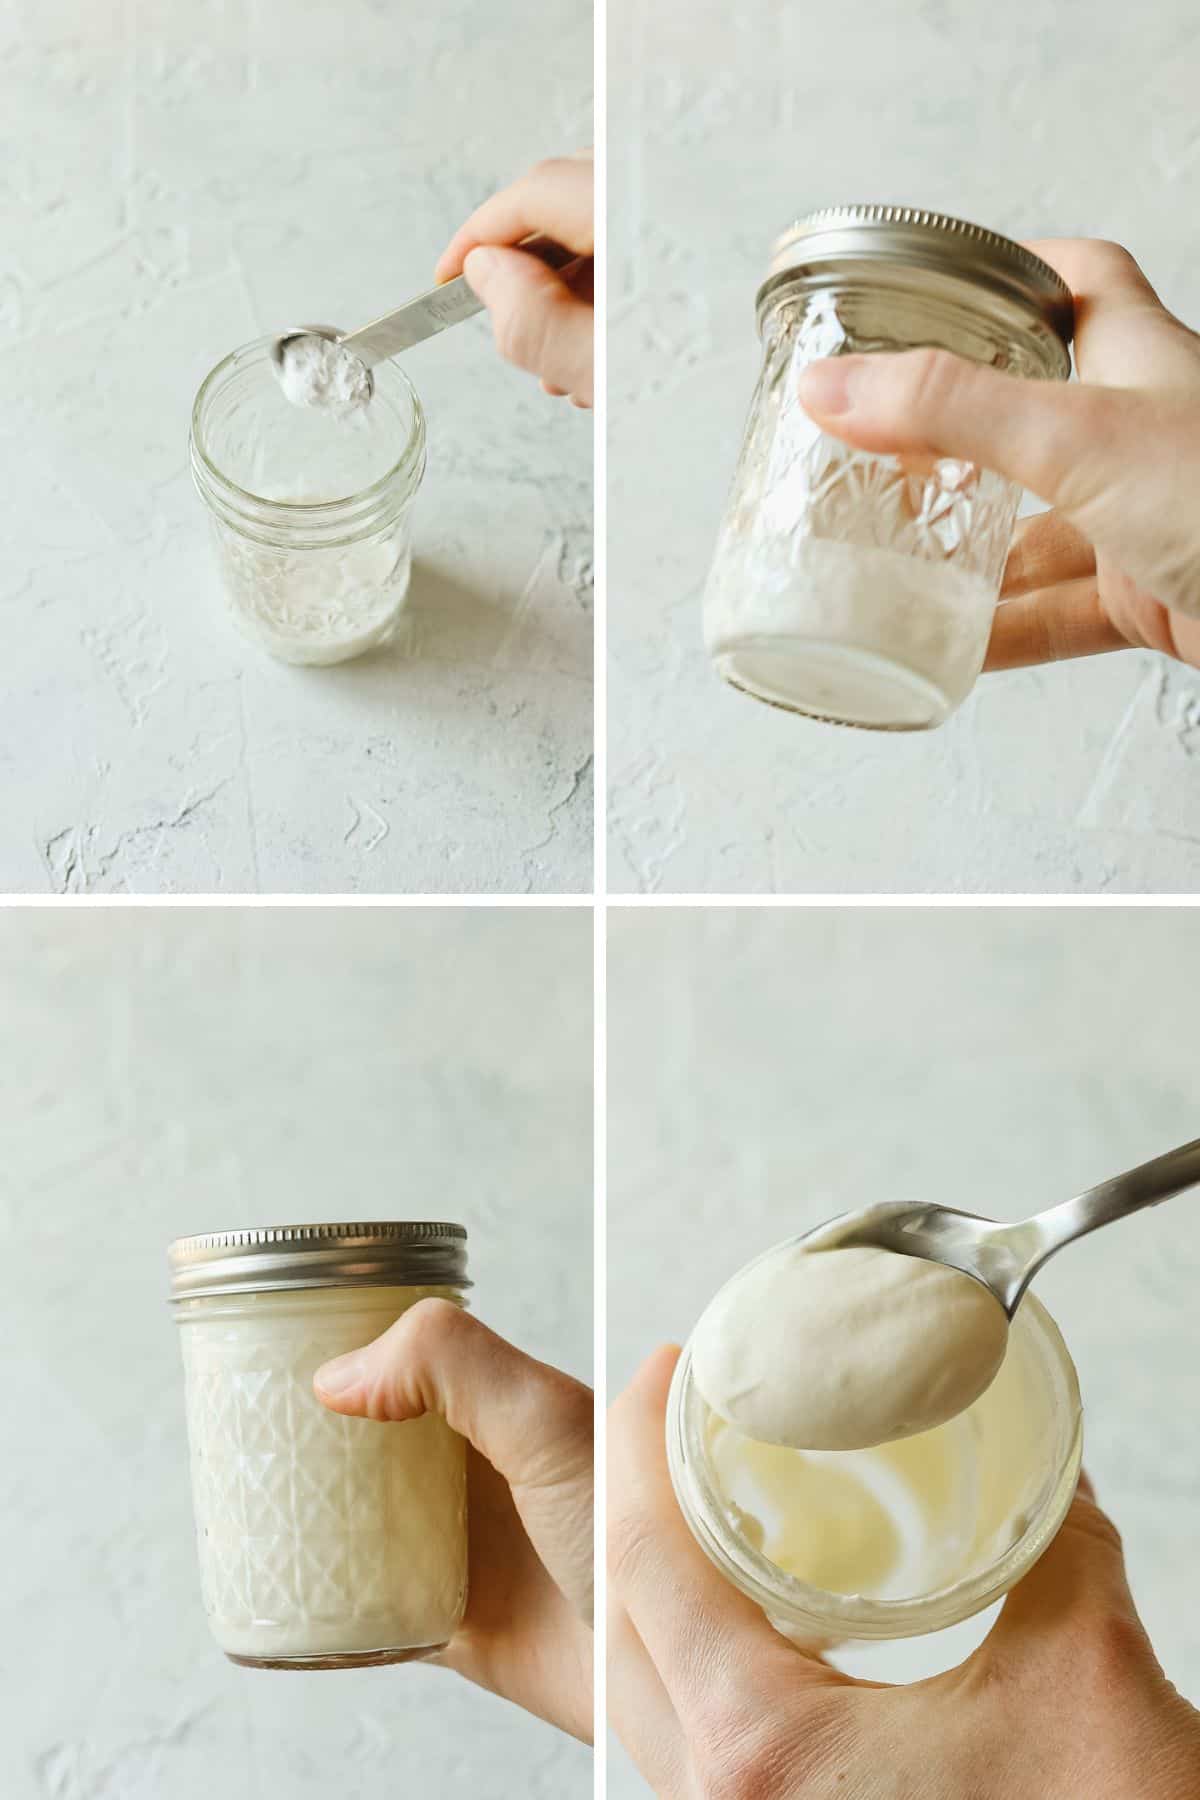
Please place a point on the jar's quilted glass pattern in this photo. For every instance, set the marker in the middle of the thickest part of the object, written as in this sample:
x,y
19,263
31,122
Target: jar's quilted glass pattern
x,y
794,482
318,1535
316,606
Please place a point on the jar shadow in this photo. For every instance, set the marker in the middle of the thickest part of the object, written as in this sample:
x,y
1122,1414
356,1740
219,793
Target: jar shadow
x,y
448,622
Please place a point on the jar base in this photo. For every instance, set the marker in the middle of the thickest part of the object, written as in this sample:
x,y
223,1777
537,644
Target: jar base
x,y
835,683
357,1659
316,655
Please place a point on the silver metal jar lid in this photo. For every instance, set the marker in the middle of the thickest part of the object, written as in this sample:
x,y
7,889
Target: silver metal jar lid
x,y
271,1258
843,238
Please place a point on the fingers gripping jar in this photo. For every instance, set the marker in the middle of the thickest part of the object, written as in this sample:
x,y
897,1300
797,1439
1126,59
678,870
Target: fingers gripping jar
x,y
310,513
325,1542
852,587
909,1537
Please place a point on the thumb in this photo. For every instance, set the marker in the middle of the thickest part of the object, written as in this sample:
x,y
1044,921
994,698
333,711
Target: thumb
x,y
520,1413
1059,441
1076,1594
532,1422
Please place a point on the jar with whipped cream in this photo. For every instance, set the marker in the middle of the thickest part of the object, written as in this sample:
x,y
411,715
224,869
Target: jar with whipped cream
x,y
325,1542
856,588
901,1539
311,511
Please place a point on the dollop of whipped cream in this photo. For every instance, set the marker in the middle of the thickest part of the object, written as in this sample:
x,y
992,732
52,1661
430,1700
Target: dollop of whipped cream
x,y
842,1349
318,373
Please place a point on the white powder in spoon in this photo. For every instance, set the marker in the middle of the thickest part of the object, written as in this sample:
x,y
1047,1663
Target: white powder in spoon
x,y
317,373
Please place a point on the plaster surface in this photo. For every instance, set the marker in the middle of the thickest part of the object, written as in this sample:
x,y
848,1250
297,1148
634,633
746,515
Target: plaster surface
x,y
179,1070
769,1068
177,180
726,122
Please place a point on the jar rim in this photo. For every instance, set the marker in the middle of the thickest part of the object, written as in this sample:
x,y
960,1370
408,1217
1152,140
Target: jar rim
x,y
845,238
242,508
274,1258
838,1617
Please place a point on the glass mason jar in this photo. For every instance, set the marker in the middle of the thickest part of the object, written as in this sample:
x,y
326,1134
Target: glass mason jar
x,y
856,588
325,1542
852,1546
311,514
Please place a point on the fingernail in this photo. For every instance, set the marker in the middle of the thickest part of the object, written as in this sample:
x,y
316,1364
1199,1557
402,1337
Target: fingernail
x,y
340,1375
828,386
479,264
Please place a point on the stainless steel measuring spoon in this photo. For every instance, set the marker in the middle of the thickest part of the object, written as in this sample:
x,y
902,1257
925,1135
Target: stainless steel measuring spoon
x,y
422,317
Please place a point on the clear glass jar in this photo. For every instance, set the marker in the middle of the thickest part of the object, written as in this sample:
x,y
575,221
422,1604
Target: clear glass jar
x,y
311,514
856,588
908,1538
324,1542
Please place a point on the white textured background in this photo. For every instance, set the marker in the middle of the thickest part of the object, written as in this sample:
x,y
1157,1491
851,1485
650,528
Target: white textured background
x,y
168,1072
770,1068
727,121
177,177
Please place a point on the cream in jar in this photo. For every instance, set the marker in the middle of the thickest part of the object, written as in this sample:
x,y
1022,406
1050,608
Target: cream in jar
x,y
324,1541
885,1539
310,505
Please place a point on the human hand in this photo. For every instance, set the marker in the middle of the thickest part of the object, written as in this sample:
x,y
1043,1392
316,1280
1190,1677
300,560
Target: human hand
x,y
1064,1698
527,1631
1116,562
541,322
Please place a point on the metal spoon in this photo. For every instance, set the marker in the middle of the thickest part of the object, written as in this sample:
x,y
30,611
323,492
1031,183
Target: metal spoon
x,y
421,317
1007,1257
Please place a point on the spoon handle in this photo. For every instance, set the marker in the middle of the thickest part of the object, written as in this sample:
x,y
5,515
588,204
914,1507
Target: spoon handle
x,y
434,310
1116,1198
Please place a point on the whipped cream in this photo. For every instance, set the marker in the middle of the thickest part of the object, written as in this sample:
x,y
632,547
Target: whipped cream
x,y
844,1349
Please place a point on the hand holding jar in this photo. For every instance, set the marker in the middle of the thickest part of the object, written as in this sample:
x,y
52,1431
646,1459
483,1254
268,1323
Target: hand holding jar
x,y
527,1630
542,323
1065,1697
1116,562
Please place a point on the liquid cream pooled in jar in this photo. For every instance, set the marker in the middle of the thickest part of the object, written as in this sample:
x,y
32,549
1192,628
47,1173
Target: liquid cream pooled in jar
x,y
844,1349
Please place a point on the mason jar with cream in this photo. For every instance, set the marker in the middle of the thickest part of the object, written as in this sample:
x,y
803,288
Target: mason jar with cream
x,y
860,588
864,1444
310,506
325,1542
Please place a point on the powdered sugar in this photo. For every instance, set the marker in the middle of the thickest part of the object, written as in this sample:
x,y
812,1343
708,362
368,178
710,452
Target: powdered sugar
x,y
320,374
